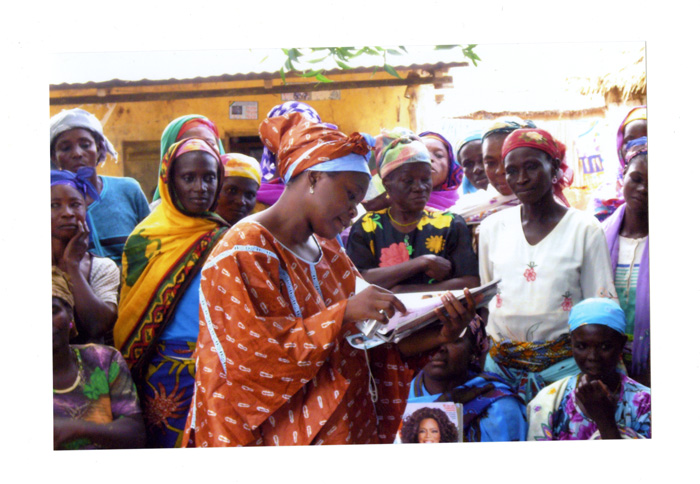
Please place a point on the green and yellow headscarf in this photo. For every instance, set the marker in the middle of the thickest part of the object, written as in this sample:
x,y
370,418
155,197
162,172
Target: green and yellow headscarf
x,y
161,256
173,131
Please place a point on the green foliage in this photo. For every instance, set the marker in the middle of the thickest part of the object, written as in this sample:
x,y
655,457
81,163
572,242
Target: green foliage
x,y
343,56
391,71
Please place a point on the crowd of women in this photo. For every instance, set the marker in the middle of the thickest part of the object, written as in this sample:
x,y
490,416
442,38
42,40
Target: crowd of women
x,y
221,314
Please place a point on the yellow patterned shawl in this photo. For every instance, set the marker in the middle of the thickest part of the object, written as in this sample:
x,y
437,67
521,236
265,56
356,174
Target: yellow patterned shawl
x,y
160,258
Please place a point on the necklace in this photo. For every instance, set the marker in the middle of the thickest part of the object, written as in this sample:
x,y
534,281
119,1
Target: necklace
x,y
400,224
78,377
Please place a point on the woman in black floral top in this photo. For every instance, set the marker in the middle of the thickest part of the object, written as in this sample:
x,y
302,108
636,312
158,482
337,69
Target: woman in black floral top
x,y
404,247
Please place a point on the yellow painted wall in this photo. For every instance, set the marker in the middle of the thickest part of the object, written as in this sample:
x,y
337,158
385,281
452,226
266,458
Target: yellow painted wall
x,y
367,110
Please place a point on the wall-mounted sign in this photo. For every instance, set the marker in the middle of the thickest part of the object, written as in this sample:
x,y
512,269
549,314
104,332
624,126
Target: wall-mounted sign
x,y
243,110
311,96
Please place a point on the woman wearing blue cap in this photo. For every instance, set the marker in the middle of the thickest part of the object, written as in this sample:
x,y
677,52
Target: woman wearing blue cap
x,y
599,402
471,159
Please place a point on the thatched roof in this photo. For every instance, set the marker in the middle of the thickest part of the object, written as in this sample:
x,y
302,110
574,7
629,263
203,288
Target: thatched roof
x,y
629,81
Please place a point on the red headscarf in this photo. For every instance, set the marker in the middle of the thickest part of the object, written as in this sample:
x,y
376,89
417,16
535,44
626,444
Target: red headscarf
x,y
540,139
300,143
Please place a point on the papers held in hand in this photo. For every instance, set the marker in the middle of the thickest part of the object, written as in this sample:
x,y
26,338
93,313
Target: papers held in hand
x,y
421,312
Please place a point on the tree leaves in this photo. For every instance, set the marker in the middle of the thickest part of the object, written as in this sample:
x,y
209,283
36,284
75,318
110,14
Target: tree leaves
x,y
310,73
468,51
392,71
343,57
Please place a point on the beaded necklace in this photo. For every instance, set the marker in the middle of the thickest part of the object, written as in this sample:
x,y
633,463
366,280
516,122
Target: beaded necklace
x,y
400,224
78,377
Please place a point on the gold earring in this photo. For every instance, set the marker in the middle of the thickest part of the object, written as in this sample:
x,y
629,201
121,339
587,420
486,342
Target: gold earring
x,y
311,189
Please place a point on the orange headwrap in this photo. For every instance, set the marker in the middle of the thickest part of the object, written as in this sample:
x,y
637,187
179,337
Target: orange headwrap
x,y
300,143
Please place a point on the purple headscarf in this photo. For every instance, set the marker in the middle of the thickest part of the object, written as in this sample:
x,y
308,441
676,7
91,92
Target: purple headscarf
x,y
608,197
635,114
447,194
454,173
640,343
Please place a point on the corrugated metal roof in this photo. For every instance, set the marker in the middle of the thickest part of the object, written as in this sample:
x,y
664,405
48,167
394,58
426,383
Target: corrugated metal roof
x,y
87,69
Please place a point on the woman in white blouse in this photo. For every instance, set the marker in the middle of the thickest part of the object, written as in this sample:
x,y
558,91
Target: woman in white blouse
x,y
548,257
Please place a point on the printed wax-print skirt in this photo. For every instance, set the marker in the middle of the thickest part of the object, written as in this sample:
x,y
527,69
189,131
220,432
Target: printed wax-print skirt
x,y
530,355
530,366
167,392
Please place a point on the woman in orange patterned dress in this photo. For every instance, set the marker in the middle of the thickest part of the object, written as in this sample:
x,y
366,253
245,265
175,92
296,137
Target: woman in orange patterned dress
x,y
278,302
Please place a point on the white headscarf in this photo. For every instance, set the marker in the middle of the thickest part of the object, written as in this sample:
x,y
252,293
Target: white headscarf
x,y
79,118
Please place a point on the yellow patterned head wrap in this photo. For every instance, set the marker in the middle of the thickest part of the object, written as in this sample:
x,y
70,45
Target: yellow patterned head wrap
x,y
237,164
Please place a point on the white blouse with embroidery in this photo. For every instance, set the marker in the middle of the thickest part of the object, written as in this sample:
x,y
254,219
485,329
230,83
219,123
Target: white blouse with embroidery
x,y
541,283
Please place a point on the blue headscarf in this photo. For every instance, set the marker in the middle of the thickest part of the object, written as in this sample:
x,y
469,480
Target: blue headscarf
x,y
475,135
598,310
80,180
472,136
350,162
635,148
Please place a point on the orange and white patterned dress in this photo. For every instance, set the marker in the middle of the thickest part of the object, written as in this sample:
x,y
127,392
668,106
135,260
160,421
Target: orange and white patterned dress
x,y
274,367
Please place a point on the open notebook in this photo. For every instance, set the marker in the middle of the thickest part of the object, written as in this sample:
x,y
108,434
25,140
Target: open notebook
x,y
421,313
